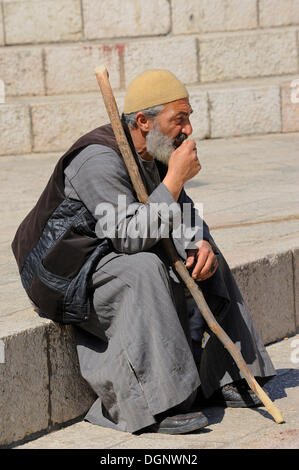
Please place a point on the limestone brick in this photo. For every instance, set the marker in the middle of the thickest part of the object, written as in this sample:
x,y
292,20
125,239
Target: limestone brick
x,y
22,71
290,106
193,16
2,91
122,18
1,29
176,55
15,129
199,118
34,21
243,111
57,124
247,55
70,69
278,13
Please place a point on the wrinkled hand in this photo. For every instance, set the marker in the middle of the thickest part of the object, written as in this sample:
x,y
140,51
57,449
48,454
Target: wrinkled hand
x,y
202,260
183,162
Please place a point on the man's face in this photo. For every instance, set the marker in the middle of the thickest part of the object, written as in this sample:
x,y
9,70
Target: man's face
x,y
174,119
169,129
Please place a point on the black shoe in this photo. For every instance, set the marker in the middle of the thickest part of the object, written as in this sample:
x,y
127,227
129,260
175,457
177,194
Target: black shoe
x,y
178,424
235,395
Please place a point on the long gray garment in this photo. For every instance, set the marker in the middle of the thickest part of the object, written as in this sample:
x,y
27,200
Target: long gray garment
x,y
135,351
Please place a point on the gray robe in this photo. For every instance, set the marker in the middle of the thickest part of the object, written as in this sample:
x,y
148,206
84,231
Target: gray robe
x,y
136,350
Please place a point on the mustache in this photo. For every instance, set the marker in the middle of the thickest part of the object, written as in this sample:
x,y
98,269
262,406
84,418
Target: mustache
x,y
179,139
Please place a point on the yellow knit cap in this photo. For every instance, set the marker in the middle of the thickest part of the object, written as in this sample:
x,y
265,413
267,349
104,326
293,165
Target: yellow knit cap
x,y
152,88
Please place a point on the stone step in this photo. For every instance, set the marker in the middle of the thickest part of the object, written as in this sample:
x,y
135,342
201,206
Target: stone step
x,y
40,376
229,428
236,108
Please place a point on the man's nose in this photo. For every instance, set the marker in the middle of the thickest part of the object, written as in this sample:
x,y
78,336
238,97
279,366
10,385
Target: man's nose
x,y
187,129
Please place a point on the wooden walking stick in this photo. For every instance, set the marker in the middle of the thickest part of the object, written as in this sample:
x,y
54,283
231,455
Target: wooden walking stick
x,y
113,113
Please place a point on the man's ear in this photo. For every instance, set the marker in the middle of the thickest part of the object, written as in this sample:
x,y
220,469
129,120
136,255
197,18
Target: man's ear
x,y
143,122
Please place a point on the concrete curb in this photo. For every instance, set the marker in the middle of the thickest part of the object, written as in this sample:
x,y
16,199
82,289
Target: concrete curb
x,y
40,380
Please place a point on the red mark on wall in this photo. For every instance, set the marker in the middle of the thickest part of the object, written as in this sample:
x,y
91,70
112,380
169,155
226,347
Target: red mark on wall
x,y
120,47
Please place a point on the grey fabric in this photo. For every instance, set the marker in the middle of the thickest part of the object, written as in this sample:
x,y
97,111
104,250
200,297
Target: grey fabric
x,y
101,180
136,349
147,362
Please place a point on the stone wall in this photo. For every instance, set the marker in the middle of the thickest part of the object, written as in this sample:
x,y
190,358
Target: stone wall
x,y
238,59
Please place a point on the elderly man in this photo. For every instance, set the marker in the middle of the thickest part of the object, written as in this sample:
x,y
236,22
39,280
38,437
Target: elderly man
x,y
139,334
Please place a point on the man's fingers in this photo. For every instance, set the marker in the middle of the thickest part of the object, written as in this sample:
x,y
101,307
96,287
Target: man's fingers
x,y
206,261
191,258
206,267
202,258
190,261
208,270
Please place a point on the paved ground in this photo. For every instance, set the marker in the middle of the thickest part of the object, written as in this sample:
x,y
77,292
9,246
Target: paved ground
x,y
249,187
227,429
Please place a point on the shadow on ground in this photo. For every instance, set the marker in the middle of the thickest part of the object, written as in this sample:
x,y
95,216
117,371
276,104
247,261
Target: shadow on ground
x,y
276,389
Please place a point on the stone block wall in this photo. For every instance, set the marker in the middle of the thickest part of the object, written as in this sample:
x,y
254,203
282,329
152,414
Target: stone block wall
x,y
239,60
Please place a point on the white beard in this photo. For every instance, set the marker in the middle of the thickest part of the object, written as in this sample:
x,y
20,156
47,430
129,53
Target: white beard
x,y
158,145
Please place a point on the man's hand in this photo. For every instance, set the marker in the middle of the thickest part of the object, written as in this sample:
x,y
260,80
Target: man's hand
x,y
183,162
203,260
182,166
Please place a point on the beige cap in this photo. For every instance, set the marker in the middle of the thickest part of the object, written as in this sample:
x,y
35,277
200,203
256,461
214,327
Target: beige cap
x,y
152,88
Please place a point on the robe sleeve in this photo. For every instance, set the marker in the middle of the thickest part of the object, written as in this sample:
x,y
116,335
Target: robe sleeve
x,y
100,179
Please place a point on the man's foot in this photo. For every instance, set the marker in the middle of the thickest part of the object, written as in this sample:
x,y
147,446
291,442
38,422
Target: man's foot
x,y
234,395
178,424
